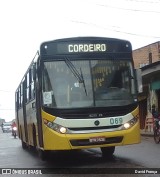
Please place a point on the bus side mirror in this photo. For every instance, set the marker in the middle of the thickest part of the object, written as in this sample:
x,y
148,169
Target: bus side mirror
x,y
34,72
139,80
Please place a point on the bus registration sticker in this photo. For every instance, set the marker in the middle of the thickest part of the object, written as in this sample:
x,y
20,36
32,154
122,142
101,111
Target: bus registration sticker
x,y
47,97
96,139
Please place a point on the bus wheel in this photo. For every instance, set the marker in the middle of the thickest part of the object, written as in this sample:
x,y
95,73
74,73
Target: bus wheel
x,y
24,145
42,154
107,152
34,139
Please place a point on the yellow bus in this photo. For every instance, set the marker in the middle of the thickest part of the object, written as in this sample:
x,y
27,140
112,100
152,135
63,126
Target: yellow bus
x,y
79,93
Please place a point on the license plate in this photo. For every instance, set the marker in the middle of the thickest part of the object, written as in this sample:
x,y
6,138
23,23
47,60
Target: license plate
x,y
96,139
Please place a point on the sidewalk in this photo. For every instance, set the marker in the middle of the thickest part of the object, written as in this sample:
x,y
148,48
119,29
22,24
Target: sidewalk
x,y
147,133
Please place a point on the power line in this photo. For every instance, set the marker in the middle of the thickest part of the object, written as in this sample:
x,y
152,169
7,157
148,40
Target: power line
x,y
135,10
115,30
7,109
6,91
144,1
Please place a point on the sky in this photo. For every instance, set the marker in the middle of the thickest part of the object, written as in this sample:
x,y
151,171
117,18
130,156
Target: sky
x,y
25,24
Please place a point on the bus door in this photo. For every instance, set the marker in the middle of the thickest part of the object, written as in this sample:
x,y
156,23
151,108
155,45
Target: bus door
x,y
38,114
24,110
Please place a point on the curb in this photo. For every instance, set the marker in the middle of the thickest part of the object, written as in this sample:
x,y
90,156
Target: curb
x,y
147,134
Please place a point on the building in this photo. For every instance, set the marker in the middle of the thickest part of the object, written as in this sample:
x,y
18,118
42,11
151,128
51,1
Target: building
x,y
146,55
1,121
148,59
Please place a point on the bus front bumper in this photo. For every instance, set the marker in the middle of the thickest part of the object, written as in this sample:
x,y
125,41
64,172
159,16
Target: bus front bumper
x,y
57,141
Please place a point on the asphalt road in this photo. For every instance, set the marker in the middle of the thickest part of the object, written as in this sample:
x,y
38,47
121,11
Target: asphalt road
x,y
145,155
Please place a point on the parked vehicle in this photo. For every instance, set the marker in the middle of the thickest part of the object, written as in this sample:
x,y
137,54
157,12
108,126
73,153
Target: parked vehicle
x,y
6,127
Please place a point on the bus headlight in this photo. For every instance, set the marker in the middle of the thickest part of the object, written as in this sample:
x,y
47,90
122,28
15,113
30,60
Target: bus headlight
x,y
63,130
129,124
56,127
126,125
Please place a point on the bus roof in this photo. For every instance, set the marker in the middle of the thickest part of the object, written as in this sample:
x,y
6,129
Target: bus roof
x,y
91,38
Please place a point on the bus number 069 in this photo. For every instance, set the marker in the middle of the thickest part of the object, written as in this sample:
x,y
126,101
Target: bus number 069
x,y
116,121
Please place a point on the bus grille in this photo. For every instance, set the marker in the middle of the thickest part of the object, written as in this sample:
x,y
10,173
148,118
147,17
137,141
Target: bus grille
x,y
86,142
94,128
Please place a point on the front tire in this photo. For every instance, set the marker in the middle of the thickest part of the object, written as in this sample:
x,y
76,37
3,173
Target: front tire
x,y
24,145
43,154
34,147
14,135
107,152
156,136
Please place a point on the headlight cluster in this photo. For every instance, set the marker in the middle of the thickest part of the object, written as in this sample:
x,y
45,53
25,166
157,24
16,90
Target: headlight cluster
x,y
15,128
130,123
56,127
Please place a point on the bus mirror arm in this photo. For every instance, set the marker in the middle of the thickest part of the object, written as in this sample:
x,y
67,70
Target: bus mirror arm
x,y
139,80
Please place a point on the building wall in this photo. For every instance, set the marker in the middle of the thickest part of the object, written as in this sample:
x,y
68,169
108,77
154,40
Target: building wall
x,y
146,55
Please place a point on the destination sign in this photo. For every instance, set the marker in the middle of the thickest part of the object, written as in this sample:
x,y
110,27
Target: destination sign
x,y
86,46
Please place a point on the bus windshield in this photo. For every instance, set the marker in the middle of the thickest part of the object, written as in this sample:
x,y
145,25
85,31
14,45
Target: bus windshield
x,y
88,83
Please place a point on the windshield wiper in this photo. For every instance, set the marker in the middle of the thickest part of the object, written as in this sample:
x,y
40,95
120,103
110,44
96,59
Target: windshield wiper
x,y
79,76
